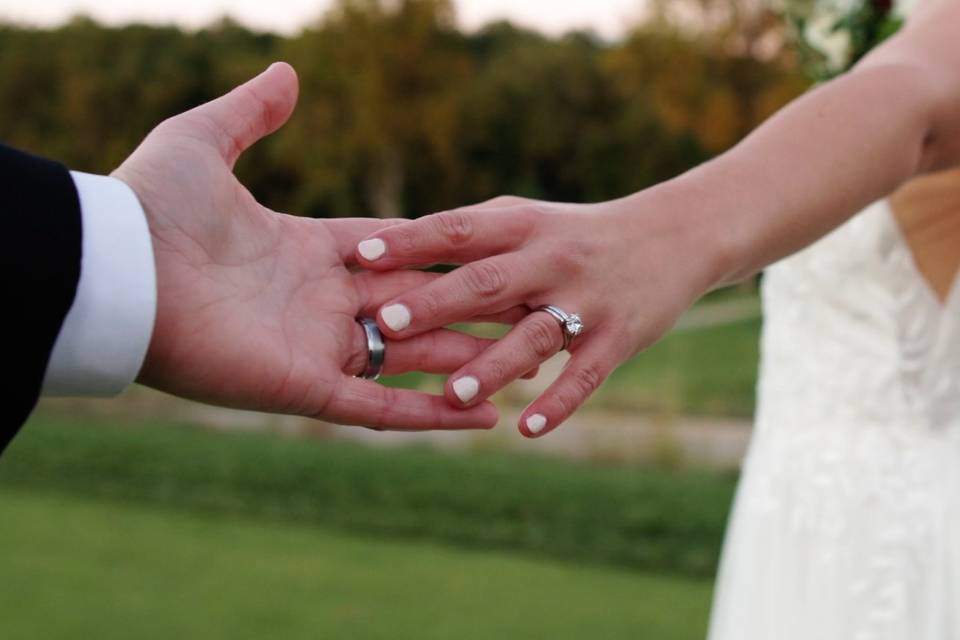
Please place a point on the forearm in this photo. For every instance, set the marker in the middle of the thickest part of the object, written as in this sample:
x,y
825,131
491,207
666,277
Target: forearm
x,y
823,158
630,267
806,171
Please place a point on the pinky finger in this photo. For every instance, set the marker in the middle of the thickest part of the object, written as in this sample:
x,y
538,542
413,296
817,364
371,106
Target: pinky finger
x,y
584,373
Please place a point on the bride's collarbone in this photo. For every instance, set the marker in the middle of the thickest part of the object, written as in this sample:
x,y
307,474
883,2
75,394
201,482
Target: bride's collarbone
x,y
927,211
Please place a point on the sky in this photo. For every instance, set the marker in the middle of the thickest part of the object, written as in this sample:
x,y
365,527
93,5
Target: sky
x,y
607,17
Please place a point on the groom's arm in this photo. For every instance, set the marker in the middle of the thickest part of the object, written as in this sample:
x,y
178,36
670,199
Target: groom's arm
x,y
77,281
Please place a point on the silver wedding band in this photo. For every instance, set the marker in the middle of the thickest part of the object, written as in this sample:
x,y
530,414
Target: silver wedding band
x,y
570,323
376,349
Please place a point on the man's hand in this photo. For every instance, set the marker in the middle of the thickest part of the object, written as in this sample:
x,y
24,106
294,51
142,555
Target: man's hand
x,y
257,309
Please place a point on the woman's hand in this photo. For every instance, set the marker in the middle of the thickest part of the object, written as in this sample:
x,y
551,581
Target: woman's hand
x,y
628,268
257,309
631,266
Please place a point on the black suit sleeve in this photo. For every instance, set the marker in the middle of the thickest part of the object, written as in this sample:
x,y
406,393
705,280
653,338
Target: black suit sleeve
x,y
39,274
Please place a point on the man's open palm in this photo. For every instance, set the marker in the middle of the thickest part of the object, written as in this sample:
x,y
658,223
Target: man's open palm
x,y
258,309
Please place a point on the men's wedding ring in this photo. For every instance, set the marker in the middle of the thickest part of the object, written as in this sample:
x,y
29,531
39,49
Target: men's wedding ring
x,y
376,349
570,323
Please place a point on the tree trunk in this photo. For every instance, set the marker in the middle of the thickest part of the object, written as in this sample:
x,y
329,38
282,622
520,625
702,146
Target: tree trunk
x,y
385,186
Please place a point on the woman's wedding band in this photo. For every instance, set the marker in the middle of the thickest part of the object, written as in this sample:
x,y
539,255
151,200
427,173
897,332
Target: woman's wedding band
x,y
376,349
570,323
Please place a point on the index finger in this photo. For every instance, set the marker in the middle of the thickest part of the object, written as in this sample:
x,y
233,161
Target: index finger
x,y
452,237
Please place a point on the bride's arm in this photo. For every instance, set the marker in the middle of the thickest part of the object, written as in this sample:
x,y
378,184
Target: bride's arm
x,y
630,267
838,148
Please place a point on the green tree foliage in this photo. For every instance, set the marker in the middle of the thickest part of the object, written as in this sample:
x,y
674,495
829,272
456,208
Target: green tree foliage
x,y
402,113
383,84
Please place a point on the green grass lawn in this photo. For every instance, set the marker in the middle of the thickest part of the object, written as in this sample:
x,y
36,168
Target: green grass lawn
x,y
73,567
710,371
644,518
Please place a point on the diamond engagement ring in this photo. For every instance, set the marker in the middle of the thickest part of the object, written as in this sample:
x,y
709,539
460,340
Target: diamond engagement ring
x,y
570,323
376,349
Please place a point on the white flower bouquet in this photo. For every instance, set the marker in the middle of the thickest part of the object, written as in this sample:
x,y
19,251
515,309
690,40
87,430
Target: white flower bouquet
x,y
834,34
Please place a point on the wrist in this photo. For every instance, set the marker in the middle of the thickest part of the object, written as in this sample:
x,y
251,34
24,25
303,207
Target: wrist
x,y
131,178
682,220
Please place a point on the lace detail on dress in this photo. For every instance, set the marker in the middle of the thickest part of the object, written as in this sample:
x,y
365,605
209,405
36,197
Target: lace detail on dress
x,y
927,336
847,523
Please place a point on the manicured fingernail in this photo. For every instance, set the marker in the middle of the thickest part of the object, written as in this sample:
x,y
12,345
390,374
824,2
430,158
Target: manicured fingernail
x,y
466,388
372,249
536,423
397,317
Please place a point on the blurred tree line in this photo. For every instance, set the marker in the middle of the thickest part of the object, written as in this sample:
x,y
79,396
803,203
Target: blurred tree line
x,y
402,113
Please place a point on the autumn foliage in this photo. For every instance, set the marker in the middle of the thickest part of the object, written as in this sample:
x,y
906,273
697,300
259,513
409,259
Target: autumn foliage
x,y
403,113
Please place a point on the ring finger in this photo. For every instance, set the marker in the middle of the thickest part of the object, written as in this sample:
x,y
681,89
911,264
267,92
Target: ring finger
x,y
439,351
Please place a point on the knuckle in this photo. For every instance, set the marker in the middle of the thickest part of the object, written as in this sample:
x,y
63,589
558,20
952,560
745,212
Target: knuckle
x,y
426,349
571,257
505,201
530,214
581,385
167,126
539,208
484,279
403,238
563,263
479,345
624,336
583,249
497,372
542,335
388,400
586,380
455,227
430,305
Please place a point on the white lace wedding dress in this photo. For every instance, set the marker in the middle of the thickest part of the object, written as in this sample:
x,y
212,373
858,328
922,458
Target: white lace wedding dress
x,y
847,521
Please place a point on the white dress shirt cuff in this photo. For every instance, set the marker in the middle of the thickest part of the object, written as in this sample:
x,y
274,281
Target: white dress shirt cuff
x,y
104,339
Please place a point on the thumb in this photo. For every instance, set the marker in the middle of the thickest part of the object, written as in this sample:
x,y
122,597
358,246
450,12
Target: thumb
x,y
257,108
